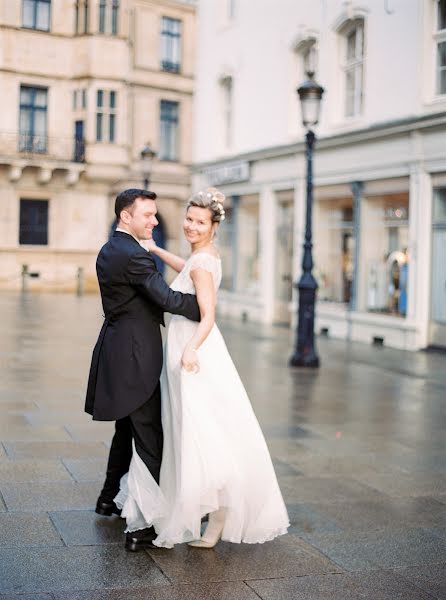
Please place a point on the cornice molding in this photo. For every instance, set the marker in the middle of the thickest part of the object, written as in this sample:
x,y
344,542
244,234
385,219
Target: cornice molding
x,y
358,136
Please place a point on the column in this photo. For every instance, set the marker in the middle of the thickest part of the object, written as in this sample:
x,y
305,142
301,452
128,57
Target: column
x,y
356,187
267,240
420,235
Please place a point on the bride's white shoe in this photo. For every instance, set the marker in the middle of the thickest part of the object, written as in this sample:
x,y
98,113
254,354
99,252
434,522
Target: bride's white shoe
x,y
212,532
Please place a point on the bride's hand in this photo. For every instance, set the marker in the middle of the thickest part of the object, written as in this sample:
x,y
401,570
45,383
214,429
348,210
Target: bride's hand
x,y
189,360
150,245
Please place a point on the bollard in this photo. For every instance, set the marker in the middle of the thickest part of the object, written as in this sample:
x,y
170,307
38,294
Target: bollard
x,y
80,281
25,272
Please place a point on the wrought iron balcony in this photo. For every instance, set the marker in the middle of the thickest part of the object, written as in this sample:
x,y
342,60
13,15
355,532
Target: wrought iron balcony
x,y
171,67
26,145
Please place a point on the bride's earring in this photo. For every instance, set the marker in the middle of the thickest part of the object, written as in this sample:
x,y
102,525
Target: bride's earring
x,y
213,530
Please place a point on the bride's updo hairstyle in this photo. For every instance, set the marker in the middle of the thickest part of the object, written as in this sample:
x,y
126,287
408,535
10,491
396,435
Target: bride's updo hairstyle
x,y
209,198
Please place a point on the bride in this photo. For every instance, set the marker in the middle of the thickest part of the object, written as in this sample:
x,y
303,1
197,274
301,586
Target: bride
x,y
215,459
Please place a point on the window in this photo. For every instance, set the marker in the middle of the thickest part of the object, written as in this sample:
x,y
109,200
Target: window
x,y
33,222
79,99
334,249
438,277
231,9
171,45
81,25
239,244
108,16
36,14
33,119
106,116
441,47
227,97
384,253
353,68
169,130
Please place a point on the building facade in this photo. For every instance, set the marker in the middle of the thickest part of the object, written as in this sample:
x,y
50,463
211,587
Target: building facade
x,y
379,214
86,84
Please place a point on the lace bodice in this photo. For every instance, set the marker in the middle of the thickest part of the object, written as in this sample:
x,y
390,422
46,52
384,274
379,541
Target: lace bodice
x,y
203,260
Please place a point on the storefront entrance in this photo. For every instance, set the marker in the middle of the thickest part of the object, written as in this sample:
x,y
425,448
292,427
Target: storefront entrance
x,y
438,279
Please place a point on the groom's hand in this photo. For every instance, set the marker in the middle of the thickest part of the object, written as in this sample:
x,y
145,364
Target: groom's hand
x,y
189,360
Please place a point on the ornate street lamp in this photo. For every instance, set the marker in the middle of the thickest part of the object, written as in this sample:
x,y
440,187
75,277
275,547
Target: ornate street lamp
x,y
147,154
310,95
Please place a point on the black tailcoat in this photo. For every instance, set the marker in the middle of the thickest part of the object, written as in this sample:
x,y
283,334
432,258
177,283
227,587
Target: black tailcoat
x,y
128,356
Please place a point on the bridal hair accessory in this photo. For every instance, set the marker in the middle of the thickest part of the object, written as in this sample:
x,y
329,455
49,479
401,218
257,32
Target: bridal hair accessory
x,y
210,198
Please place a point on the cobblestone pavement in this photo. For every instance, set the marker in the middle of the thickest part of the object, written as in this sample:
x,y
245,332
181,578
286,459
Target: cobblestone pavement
x,y
359,449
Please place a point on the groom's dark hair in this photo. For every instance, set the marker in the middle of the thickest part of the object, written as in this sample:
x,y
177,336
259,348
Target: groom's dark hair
x,y
127,198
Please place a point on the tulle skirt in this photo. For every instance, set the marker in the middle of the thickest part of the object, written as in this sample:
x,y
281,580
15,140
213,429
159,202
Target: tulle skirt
x,y
214,454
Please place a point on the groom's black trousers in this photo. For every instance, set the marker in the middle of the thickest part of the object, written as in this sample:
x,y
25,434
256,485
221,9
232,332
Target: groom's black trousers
x,y
144,426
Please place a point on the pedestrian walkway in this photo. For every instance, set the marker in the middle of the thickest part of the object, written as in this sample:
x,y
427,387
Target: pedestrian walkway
x,y
359,448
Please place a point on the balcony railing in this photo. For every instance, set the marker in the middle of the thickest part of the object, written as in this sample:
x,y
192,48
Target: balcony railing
x,y
26,145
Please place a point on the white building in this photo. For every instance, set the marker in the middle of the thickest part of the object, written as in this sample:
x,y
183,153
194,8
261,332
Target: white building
x,y
85,85
379,219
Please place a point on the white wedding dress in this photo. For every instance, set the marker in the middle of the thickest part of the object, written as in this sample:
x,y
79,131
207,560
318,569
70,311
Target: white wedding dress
x,y
214,455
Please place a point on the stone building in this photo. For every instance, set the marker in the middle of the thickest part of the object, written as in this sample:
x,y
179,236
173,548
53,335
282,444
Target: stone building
x,y
379,215
86,84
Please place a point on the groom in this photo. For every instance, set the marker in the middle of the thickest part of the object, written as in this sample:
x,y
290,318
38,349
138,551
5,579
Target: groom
x,y
123,384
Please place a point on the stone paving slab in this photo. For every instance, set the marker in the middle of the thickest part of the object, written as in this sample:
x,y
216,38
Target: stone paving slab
x,y
53,416
377,585
407,484
44,450
86,469
332,489
431,578
282,557
214,591
76,568
388,513
31,433
37,497
26,597
82,528
18,471
97,432
26,529
359,551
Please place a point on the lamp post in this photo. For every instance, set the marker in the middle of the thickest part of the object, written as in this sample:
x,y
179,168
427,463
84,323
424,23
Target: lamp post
x,y
305,355
147,156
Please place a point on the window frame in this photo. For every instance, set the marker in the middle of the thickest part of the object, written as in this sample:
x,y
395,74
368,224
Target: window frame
x,y
106,116
108,17
26,237
227,94
28,136
354,66
171,45
82,13
166,152
36,5
439,38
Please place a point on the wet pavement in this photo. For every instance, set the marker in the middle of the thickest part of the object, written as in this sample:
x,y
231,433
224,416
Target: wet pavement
x,y
359,448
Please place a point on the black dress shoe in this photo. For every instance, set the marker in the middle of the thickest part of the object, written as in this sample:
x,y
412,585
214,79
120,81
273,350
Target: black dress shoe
x,y
139,540
107,508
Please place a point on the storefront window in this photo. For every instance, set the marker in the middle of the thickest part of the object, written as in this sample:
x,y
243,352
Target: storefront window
x,y
239,244
334,249
385,258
